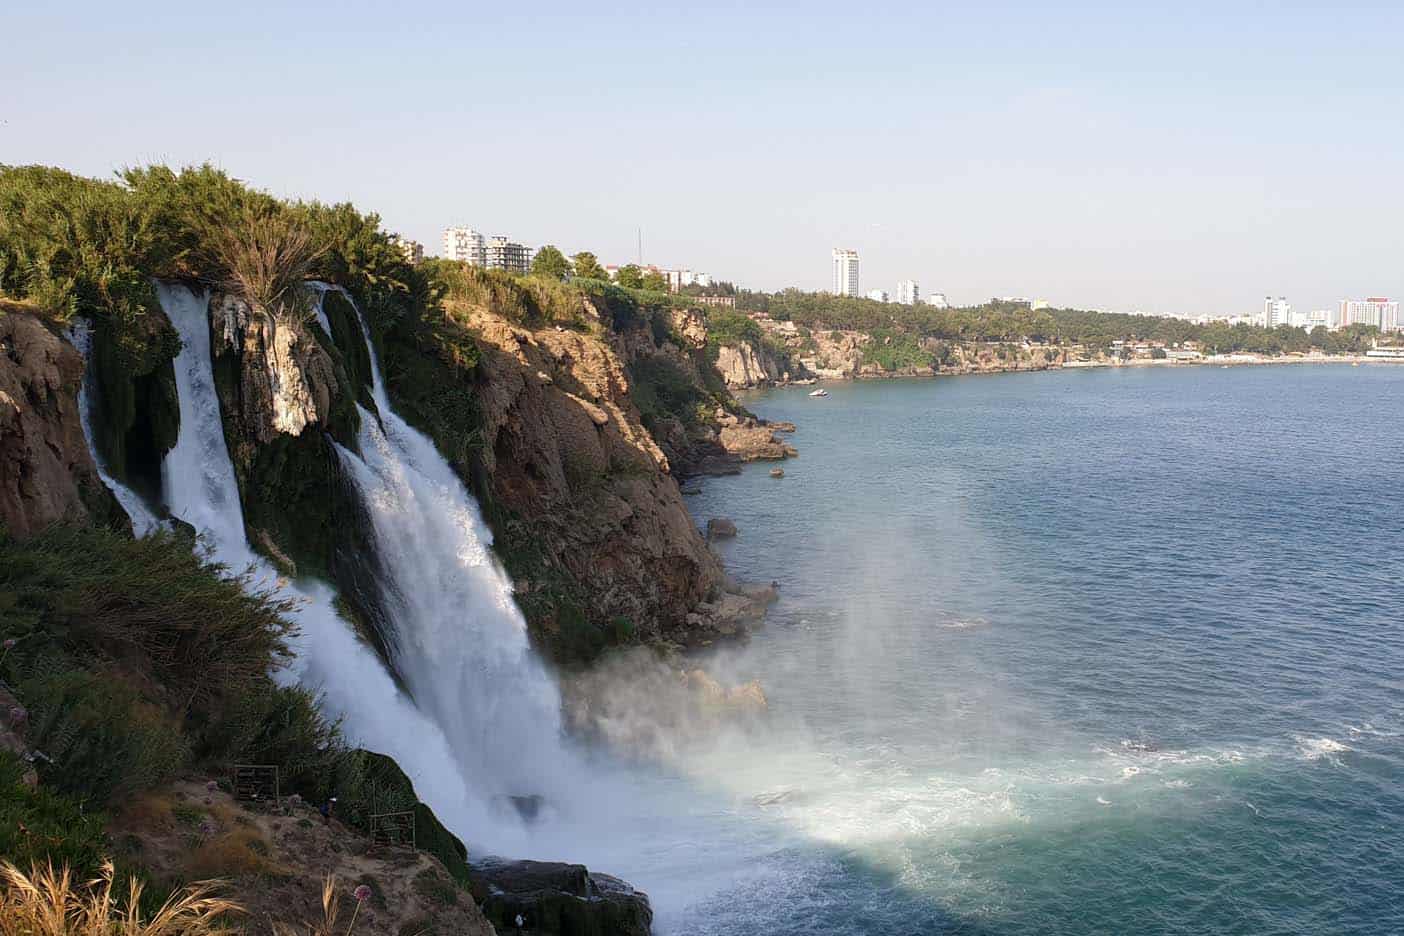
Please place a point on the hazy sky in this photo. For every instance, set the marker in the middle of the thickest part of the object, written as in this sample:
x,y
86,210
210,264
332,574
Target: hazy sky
x,y
1191,157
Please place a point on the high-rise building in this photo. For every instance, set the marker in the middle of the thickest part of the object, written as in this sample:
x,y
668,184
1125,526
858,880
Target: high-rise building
x,y
938,300
465,245
908,293
504,254
1381,312
877,295
1276,312
845,272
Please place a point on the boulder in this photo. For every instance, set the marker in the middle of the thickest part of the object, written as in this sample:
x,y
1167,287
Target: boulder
x,y
720,528
777,472
558,899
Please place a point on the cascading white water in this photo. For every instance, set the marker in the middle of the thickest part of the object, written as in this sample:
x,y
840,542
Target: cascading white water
x,y
199,486
144,520
460,640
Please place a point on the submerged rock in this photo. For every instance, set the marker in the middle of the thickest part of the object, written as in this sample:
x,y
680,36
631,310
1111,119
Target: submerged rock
x,y
720,528
558,899
777,472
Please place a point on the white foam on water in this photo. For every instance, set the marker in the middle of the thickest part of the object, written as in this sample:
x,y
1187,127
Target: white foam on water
x,y
1327,749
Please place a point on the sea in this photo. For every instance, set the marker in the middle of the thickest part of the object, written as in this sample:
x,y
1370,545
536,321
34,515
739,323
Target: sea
x,y
1074,652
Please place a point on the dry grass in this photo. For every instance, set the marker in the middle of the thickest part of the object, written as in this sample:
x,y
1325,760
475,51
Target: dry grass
x,y
235,853
265,255
330,911
46,902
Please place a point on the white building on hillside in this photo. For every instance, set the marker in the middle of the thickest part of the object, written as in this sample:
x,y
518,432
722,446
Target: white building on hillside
x,y
908,293
1381,312
938,300
1276,312
412,249
465,245
877,295
845,272
504,254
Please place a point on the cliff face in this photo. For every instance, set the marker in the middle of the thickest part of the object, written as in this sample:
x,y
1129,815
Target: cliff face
x,y
742,366
587,512
47,474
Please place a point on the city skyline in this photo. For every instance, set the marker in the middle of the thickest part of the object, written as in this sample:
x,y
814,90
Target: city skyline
x,y
1052,152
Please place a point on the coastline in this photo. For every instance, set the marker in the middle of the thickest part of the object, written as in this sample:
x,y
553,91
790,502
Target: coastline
x,y
1213,361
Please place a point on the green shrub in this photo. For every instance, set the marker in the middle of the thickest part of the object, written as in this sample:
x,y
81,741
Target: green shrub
x,y
661,388
102,737
40,825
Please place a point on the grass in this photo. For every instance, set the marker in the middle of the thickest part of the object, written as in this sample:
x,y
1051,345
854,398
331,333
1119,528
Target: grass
x,y
49,902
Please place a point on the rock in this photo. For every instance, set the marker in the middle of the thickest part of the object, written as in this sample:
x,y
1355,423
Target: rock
x,y
777,472
720,528
14,718
558,899
591,493
47,474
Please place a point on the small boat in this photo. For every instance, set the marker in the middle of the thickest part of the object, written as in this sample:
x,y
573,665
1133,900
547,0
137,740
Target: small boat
x,y
820,392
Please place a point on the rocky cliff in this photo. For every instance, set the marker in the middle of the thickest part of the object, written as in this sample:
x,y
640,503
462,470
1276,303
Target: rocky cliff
x,y
47,474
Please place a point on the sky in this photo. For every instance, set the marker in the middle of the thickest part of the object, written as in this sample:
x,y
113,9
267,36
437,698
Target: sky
x,y
1185,159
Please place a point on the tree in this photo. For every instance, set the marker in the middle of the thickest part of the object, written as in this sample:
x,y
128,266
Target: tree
x,y
549,261
588,267
630,276
655,281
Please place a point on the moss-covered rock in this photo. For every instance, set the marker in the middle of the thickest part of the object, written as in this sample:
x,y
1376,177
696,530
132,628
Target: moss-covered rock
x,y
138,416
372,783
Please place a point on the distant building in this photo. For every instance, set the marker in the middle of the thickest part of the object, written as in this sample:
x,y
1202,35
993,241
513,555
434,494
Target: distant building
x,y
938,300
677,279
1316,318
1276,312
412,249
877,295
465,245
1037,304
1383,313
725,301
504,254
908,293
845,272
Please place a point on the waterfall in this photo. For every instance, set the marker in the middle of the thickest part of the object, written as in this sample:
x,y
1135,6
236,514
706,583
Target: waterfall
x,y
199,486
144,520
460,642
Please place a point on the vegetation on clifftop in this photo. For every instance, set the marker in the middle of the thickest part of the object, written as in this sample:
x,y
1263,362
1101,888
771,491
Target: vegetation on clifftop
x,y
1004,321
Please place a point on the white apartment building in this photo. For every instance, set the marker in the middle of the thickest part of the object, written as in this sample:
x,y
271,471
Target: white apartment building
x,y
465,245
1276,312
504,254
677,279
845,272
877,295
1316,318
908,293
938,300
412,249
1381,312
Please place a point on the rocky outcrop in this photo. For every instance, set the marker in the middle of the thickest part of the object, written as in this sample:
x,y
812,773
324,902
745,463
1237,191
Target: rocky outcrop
x,y
47,474
285,382
556,899
567,460
720,528
744,366
276,859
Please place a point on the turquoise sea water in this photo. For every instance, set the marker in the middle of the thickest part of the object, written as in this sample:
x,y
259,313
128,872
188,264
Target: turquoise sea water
x,y
1094,652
